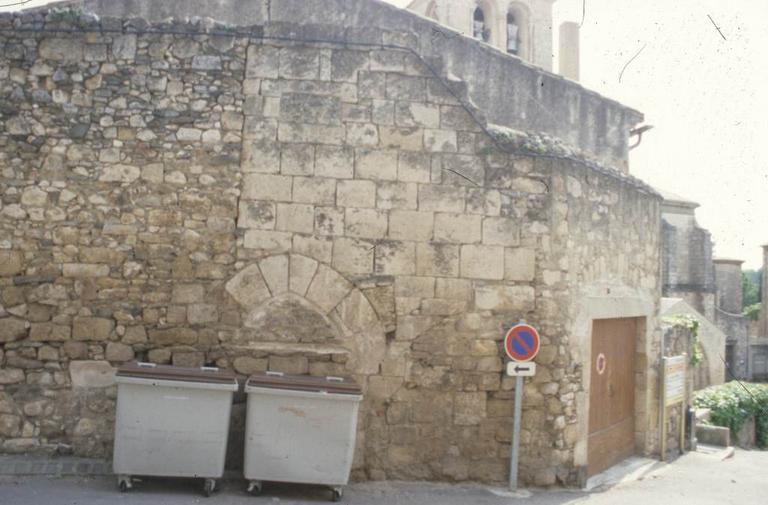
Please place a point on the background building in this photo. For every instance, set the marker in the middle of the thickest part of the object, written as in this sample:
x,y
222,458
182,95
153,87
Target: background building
x,y
711,287
522,28
687,268
759,345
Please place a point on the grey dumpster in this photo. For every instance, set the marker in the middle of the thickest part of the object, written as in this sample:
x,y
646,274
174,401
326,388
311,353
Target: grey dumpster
x,y
300,429
172,422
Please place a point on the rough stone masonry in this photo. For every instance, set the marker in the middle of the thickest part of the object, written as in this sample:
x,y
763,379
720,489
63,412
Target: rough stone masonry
x,y
249,197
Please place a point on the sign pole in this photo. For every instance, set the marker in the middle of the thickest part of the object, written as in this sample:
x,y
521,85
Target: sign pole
x,y
514,456
521,343
682,409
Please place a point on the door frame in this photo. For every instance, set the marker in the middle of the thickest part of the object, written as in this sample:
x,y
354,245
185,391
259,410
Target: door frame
x,y
626,303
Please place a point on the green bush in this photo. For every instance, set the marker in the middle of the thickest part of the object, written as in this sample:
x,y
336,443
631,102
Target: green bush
x,y
752,311
731,406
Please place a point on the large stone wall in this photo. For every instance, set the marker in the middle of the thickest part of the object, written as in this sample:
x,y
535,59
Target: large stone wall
x,y
604,254
530,99
176,196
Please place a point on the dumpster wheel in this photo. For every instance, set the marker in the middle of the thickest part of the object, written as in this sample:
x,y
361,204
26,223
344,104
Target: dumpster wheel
x,y
336,493
254,487
209,487
124,483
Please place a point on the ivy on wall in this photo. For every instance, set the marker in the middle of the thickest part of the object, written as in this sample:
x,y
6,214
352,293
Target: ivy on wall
x,y
691,324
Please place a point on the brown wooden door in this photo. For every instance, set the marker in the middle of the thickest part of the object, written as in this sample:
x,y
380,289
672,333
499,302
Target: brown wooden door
x,y
612,393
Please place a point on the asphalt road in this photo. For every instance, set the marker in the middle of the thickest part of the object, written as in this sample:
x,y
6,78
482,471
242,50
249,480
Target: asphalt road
x,y
695,479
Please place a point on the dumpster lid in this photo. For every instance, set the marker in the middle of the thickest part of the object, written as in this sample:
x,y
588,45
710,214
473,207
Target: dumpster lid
x,y
212,375
328,384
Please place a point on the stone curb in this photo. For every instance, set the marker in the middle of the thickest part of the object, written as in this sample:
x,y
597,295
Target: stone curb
x,y
59,467
69,467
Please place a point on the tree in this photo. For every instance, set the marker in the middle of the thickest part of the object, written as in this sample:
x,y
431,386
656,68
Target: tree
x,y
751,282
750,287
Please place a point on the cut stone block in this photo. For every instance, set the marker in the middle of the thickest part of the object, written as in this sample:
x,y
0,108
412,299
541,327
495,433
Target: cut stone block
x,y
458,228
275,272
328,288
92,328
438,260
91,374
353,256
248,287
302,270
482,262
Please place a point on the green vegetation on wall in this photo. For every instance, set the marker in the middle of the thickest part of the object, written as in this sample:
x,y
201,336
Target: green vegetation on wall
x,y
66,14
692,324
750,287
731,406
752,311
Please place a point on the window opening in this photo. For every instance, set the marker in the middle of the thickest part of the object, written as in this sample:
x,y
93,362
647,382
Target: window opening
x,y
479,30
513,34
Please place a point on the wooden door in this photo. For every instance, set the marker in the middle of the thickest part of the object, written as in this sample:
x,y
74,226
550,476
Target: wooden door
x,y
612,393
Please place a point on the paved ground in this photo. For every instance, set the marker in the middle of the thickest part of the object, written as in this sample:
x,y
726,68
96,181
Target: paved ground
x,y
695,479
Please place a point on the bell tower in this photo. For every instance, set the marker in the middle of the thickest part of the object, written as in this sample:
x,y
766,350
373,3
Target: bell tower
x,y
522,28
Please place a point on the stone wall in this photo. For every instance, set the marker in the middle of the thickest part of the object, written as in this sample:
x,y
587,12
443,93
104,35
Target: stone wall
x,y
758,354
729,291
602,262
530,99
178,196
729,318
735,328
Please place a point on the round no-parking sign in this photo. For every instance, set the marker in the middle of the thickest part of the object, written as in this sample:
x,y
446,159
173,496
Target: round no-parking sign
x,y
522,342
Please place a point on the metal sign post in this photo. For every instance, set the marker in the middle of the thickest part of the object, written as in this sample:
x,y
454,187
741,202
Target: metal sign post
x,y
521,345
518,413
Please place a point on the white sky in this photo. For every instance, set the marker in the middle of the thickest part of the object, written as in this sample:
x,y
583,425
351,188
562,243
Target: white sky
x,y
706,97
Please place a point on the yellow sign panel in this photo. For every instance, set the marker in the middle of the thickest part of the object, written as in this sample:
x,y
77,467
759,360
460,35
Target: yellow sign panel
x,y
674,380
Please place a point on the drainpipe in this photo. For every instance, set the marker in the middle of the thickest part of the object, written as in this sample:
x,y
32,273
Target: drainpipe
x,y
639,132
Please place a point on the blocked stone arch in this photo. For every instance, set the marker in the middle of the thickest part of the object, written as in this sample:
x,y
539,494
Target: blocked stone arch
x,y
281,286
278,293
